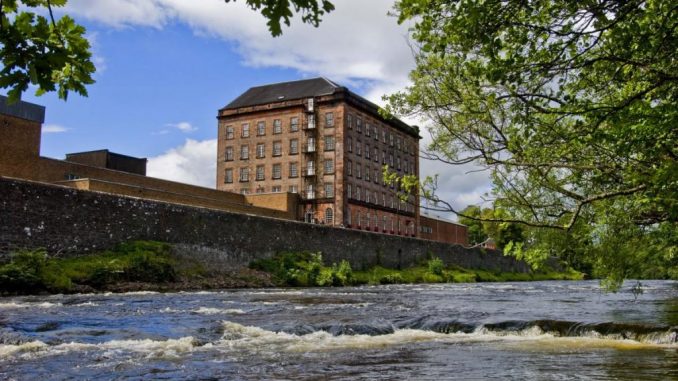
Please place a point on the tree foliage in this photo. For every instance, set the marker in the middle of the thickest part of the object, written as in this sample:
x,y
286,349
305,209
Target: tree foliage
x,y
51,54
282,10
570,106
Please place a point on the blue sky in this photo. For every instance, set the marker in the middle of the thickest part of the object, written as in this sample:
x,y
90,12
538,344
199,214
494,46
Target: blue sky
x,y
166,66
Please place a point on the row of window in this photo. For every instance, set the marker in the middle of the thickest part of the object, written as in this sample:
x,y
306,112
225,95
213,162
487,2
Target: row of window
x,y
390,201
328,190
277,148
277,126
386,223
372,130
276,171
405,165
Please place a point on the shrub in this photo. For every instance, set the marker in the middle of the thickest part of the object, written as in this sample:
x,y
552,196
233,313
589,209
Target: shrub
x,y
394,278
436,266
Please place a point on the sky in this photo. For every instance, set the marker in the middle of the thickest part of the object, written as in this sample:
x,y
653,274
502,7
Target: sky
x,y
164,68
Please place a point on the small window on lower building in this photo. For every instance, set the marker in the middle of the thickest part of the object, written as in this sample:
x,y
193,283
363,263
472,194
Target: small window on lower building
x,y
329,216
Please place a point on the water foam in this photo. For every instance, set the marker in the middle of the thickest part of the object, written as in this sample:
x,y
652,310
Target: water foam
x,y
170,348
256,339
216,311
29,305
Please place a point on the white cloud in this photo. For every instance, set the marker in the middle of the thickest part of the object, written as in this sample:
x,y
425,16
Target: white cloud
x,y
194,162
356,42
184,127
53,129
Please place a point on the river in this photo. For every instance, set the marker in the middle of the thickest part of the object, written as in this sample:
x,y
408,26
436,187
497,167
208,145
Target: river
x,y
538,330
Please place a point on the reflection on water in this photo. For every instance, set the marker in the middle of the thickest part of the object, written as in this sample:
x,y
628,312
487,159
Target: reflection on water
x,y
540,330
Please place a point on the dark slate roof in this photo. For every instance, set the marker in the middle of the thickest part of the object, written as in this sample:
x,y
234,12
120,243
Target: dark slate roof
x,y
23,110
277,92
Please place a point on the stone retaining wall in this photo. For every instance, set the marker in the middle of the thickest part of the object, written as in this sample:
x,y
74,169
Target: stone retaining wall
x,y
67,221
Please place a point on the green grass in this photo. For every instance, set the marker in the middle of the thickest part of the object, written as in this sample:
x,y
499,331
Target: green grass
x,y
303,269
139,261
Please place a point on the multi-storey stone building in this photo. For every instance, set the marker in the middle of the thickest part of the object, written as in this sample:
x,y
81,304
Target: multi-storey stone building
x,y
325,143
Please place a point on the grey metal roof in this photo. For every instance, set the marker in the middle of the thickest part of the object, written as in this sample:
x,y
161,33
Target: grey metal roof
x,y
278,92
23,110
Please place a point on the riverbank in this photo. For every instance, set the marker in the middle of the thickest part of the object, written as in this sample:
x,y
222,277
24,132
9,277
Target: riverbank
x,y
152,266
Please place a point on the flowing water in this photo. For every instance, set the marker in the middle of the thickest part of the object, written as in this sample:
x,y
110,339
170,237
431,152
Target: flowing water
x,y
539,330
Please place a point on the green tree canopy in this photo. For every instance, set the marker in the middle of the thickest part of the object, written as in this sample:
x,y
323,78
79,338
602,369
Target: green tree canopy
x,y
53,54
571,106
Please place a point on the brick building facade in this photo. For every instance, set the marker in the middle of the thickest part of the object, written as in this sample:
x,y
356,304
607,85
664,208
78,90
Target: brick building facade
x,y
328,145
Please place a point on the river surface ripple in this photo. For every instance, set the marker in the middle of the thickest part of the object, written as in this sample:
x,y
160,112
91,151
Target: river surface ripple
x,y
538,330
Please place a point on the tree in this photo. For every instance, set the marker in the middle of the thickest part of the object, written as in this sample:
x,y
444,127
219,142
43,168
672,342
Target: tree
x,y
470,217
53,54
569,106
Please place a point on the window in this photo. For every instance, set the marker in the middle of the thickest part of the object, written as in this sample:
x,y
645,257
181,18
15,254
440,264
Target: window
x,y
390,160
367,199
294,146
277,148
375,200
310,145
357,193
391,140
310,191
228,154
383,222
358,148
349,168
310,122
376,133
277,171
329,216
294,169
383,135
376,154
261,150
367,151
367,173
244,190
228,176
260,173
349,191
407,167
349,121
310,168
367,129
329,166
261,128
383,203
293,189
383,157
245,130
398,143
349,145
276,189
398,162
376,175
329,190
358,171
244,175
329,119
277,126
329,143
230,132
244,152
359,125
294,124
